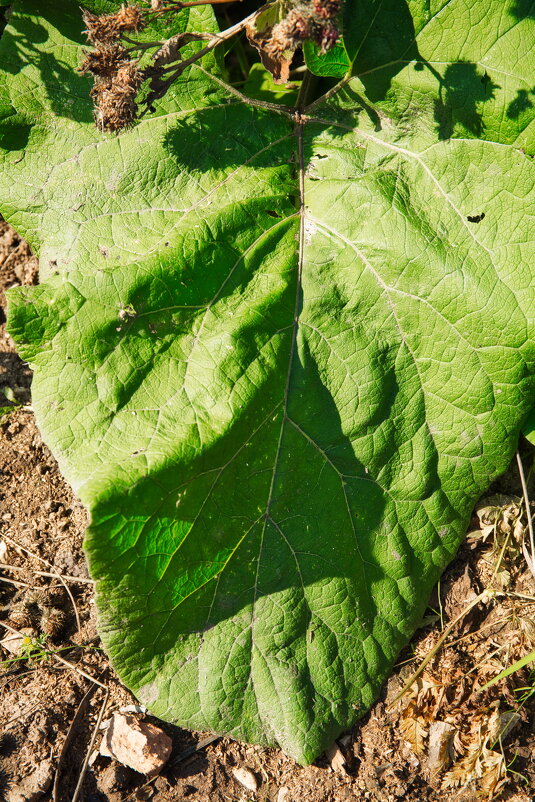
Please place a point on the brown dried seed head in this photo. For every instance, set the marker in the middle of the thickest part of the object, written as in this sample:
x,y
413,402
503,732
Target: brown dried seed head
x,y
52,621
21,615
105,60
115,114
289,33
101,29
27,611
298,24
131,18
108,27
114,97
36,597
129,77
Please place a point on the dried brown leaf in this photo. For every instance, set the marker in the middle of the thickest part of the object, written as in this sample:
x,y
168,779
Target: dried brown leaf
x,y
259,33
413,727
440,751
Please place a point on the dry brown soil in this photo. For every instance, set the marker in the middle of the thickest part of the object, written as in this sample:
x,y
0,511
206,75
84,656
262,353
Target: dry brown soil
x,y
390,755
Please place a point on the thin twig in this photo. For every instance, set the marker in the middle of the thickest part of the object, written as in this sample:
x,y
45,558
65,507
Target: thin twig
x,y
56,574
14,582
79,671
83,579
216,40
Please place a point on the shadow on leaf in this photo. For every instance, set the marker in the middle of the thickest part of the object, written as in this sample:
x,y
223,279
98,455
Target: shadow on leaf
x,y
67,92
462,88
522,103
522,9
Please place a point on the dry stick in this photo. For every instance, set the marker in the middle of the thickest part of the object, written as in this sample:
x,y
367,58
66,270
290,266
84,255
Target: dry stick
x,y
82,579
79,671
485,596
530,559
56,573
14,582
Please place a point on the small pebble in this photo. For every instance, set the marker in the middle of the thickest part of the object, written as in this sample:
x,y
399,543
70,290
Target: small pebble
x,y
246,778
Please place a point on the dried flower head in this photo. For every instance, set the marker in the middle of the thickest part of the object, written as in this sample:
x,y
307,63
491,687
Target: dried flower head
x,y
52,621
131,18
115,98
289,33
298,24
326,9
27,612
105,60
306,20
21,615
109,27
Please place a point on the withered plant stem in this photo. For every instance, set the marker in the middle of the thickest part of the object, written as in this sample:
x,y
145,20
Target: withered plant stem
x,y
531,559
218,38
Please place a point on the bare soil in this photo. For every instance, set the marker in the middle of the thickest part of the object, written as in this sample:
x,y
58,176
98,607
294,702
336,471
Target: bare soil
x,y
440,741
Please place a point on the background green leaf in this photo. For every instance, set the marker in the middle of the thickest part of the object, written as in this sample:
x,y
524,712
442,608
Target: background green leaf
x,y
333,64
277,365
260,85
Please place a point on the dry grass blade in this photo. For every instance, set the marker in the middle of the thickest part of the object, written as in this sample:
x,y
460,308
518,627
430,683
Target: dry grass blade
x,y
14,582
530,558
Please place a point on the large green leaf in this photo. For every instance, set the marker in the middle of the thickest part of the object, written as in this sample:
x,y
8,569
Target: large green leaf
x,y
278,359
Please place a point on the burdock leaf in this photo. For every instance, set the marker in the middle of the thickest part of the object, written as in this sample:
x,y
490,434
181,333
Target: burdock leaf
x,y
276,356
